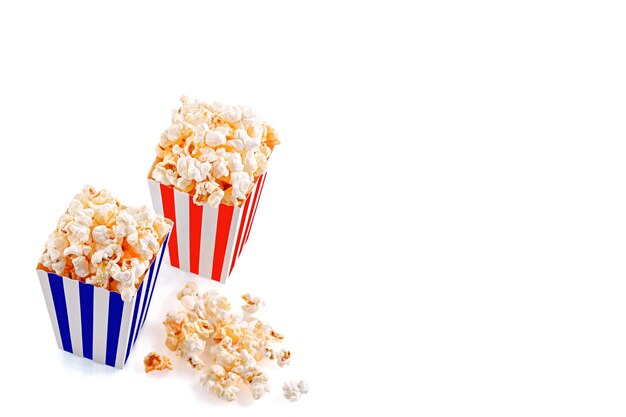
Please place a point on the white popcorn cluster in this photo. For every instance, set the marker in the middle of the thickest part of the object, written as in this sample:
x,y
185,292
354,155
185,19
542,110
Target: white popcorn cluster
x,y
253,304
213,151
293,390
236,342
101,242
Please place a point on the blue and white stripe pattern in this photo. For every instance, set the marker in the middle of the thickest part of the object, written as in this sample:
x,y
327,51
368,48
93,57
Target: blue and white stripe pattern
x,y
95,323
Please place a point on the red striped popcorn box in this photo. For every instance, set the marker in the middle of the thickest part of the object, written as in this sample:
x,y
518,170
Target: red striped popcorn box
x,y
93,322
204,240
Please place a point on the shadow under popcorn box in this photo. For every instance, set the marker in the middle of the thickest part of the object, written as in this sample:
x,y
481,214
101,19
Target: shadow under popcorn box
x,y
205,241
93,322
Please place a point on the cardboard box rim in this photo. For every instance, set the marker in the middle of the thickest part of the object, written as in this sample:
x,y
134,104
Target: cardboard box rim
x,y
254,183
40,266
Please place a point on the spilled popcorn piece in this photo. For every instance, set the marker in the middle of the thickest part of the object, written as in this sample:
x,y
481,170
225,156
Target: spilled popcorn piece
x,y
283,357
252,304
221,382
191,348
214,152
183,338
227,346
156,362
101,242
293,390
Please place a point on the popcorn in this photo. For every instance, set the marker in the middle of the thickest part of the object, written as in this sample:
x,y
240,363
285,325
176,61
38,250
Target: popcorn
x,y
190,289
101,242
214,152
191,348
236,342
283,357
102,234
215,138
156,362
220,354
55,247
173,327
259,386
81,266
253,304
241,184
81,231
293,390
192,169
258,381
222,383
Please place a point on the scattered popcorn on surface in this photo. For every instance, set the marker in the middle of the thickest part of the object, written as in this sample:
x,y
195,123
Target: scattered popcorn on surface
x,y
235,342
253,304
221,382
156,362
214,152
293,390
282,357
101,242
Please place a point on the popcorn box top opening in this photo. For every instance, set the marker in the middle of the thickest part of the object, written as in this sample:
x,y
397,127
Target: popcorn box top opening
x,y
240,203
100,241
140,281
214,152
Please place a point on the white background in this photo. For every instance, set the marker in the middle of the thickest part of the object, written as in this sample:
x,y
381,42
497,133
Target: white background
x,y
442,231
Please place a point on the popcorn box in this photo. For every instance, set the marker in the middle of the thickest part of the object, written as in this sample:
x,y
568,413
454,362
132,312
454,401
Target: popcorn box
x,y
93,322
204,240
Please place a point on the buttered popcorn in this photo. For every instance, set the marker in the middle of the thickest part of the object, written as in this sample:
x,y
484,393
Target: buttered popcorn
x,y
156,362
234,343
99,241
214,152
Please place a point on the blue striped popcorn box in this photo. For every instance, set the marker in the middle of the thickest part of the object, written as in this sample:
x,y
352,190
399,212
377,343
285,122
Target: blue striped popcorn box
x,y
93,322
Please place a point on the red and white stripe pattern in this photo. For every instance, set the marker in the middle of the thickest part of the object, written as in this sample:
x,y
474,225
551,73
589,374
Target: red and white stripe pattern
x,y
205,241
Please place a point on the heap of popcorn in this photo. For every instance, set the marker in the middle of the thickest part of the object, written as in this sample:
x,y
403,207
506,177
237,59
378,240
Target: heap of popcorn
x,y
99,241
214,152
236,343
